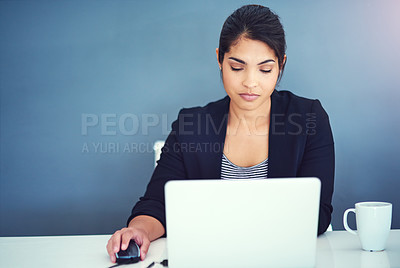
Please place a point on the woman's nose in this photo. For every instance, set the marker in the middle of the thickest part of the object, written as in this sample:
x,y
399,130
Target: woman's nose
x,y
250,80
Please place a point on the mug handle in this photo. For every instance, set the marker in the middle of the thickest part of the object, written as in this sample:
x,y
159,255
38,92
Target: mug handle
x,y
346,226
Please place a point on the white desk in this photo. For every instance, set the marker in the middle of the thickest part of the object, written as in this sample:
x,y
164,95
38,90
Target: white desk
x,y
334,249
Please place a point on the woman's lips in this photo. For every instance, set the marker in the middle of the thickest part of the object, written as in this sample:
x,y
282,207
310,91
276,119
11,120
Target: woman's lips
x,y
249,97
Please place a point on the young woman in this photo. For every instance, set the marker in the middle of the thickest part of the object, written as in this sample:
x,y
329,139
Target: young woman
x,y
254,132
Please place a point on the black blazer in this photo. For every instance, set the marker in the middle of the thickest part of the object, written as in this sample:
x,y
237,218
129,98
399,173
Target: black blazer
x,y
300,145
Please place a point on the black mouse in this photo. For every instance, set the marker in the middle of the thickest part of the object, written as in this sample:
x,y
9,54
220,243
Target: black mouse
x,y
130,255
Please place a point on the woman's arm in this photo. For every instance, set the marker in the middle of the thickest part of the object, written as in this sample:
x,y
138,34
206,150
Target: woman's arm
x,y
170,166
319,161
147,221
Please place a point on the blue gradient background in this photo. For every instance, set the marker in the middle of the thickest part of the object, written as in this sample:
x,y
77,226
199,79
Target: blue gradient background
x,y
60,60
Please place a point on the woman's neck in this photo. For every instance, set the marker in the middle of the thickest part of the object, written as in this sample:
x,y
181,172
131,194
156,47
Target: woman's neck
x,y
253,121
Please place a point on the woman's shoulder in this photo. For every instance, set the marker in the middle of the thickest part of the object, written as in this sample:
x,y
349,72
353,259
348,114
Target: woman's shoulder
x,y
210,118
288,96
290,102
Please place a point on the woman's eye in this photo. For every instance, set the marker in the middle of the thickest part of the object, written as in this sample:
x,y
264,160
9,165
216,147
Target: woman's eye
x,y
236,69
266,71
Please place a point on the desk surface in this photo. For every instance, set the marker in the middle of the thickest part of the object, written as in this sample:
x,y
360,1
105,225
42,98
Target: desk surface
x,y
334,249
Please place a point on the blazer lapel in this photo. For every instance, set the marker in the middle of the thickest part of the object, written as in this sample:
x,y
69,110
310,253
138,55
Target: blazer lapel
x,y
276,158
217,124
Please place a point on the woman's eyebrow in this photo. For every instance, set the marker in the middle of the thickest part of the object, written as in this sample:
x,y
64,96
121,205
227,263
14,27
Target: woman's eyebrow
x,y
266,61
243,62
235,59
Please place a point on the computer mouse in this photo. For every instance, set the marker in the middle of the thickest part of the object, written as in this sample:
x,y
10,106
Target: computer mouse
x,y
130,255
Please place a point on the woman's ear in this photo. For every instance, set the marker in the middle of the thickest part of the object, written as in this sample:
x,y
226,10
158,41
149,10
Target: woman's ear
x,y
219,64
284,61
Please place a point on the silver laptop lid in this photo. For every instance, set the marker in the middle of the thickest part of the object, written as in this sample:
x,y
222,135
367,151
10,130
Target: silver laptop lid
x,y
242,223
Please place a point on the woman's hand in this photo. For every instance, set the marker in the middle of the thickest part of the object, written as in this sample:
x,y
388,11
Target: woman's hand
x,y
120,241
142,229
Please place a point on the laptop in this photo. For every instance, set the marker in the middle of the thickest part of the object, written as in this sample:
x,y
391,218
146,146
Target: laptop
x,y
242,223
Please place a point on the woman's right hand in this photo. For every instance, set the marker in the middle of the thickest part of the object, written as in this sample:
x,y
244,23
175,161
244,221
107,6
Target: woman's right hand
x,y
120,241
142,229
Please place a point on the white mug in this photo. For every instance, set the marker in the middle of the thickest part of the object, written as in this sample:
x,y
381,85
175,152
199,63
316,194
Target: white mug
x,y
373,221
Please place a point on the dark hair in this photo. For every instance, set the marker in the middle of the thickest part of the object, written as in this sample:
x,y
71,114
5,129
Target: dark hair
x,y
254,22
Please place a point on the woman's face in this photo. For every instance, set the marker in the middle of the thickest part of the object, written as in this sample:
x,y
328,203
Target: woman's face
x,y
249,72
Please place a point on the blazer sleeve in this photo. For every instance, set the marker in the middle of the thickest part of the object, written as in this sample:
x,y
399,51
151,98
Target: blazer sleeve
x,y
319,160
170,166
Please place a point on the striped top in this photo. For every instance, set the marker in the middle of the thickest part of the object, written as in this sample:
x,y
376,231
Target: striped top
x,y
232,171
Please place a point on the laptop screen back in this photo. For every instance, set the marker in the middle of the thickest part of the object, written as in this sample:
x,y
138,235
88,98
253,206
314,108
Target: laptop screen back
x,y
242,223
